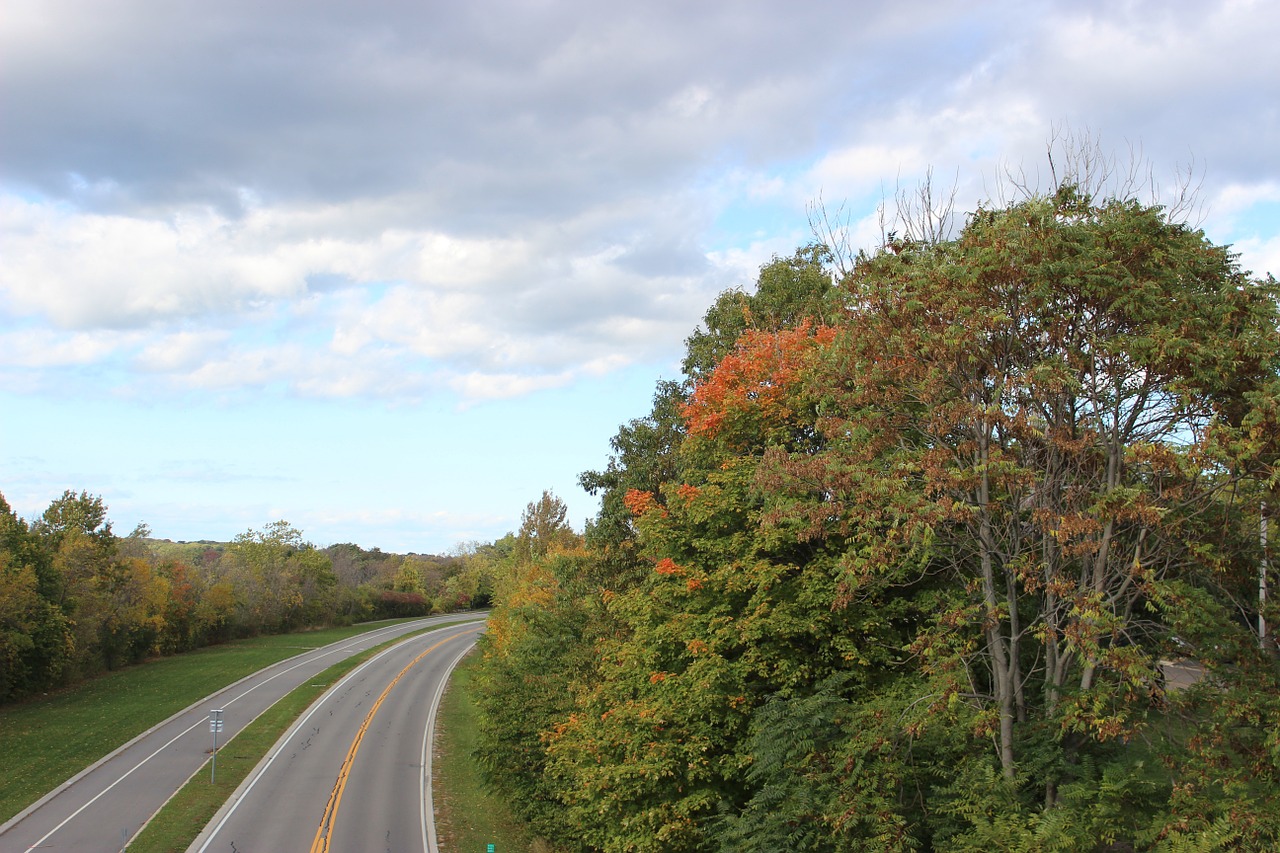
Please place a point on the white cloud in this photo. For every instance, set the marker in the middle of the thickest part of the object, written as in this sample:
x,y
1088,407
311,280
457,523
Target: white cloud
x,y
502,386
253,215
1259,256
45,348
861,168
488,197
181,350
691,101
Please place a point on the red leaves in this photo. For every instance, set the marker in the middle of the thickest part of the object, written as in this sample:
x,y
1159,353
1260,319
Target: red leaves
x,y
667,566
752,386
687,492
639,502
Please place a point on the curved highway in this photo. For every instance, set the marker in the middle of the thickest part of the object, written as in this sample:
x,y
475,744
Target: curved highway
x,y
354,772
101,809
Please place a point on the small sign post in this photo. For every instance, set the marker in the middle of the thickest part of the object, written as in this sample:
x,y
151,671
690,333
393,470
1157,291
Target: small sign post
x,y
215,726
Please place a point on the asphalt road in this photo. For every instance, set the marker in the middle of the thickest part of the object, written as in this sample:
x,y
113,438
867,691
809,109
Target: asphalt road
x,y
99,810
353,774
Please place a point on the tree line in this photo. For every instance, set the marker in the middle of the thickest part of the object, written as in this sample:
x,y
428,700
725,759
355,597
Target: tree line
x,y
76,599
954,544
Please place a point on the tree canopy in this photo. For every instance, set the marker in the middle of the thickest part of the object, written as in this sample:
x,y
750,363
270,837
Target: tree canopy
x,y
906,560
75,599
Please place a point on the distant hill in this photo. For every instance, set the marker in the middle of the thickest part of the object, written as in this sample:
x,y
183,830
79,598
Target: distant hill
x,y
187,552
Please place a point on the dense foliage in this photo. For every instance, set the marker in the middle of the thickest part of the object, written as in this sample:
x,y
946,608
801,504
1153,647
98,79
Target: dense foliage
x,y
75,599
926,558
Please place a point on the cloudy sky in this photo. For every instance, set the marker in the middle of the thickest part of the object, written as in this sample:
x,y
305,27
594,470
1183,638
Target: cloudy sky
x,y
389,269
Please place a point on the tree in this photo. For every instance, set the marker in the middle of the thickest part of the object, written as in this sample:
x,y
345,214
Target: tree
x,y
902,569
83,513
788,292
36,643
543,528
281,580
1044,412
650,742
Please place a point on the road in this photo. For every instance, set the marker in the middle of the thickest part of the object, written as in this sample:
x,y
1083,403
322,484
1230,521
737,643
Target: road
x,y
353,773
99,810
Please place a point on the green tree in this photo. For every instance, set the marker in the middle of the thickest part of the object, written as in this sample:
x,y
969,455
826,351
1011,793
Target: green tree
x,y
544,528
36,642
903,575
280,580
787,292
650,742
83,513
537,642
1044,413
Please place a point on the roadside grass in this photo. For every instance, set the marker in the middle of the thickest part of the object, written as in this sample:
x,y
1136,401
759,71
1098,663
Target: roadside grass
x,y
45,741
180,820
468,816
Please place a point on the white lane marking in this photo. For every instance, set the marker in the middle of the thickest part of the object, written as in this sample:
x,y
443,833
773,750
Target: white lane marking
x,y
196,725
262,769
170,743
427,804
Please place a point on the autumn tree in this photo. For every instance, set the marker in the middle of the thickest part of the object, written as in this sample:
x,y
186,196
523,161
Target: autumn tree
x,y
787,292
544,528
905,568
1045,414
608,629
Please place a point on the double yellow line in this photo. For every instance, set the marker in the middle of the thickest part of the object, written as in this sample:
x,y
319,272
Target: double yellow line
x,y
325,831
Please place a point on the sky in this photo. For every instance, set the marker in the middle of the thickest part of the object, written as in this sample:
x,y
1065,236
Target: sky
x,y
388,270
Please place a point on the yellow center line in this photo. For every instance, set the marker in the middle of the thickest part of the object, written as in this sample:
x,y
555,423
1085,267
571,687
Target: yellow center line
x,y
325,831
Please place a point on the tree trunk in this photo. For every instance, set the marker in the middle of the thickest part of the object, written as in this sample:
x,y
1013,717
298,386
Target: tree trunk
x,y
998,646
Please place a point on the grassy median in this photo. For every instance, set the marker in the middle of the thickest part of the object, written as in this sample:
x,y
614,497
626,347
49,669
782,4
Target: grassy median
x,y
177,824
46,741
52,738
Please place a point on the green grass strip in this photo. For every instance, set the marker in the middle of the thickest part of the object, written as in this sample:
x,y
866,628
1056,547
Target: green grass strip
x,y
180,820
48,740
468,815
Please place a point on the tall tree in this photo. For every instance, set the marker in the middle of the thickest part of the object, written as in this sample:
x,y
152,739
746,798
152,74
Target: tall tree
x,y
36,641
544,528
908,574
1045,412
280,579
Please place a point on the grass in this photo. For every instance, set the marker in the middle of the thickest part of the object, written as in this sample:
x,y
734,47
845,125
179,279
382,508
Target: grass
x,y
47,740
180,820
59,735
177,824
468,816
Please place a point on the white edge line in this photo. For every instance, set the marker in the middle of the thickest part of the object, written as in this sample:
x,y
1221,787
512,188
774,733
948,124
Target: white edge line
x,y
243,725
428,805
228,808
38,804
246,725
324,652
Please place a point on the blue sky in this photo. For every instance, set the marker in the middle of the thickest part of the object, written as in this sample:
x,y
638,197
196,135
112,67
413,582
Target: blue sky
x,y
388,270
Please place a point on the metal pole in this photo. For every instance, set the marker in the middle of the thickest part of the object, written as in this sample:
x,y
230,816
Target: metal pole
x,y
215,726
